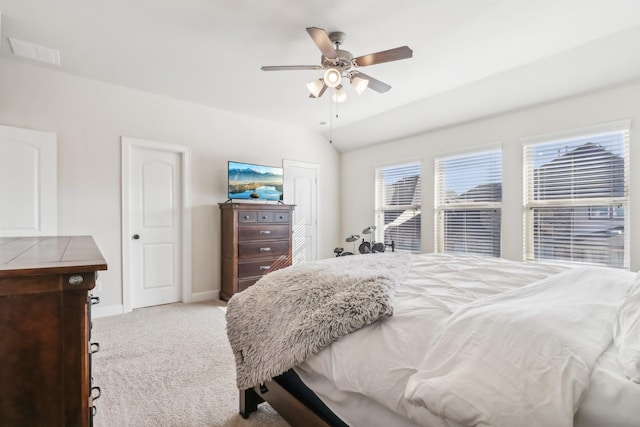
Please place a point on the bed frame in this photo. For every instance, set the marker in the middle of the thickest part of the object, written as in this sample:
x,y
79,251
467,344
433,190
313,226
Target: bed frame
x,y
294,401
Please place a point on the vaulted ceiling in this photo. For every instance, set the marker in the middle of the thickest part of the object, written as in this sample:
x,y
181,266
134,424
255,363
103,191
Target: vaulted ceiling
x,y
471,58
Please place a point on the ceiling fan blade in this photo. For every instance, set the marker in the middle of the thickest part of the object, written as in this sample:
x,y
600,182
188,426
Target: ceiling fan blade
x,y
374,84
324,88
321,39
385,56
290,67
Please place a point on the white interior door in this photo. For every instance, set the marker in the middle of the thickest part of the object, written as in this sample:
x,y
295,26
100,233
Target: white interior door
x,y
28,182
154,225
301,189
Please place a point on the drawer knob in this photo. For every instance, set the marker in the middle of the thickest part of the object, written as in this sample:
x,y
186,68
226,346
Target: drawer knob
x,y
76,279
265,231
247,217
264,217
95,300
265,249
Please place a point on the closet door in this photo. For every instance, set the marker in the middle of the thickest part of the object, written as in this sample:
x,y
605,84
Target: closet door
x,y
28,182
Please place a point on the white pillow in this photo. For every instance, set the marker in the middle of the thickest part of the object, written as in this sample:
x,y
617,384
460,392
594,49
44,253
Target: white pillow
x,y
626,332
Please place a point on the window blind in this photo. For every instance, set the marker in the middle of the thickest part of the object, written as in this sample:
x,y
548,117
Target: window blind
x,y
576,199
398,206
468,203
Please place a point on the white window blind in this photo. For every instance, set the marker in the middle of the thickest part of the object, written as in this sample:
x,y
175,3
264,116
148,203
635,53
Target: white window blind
x,y
576,198
398,206
468,202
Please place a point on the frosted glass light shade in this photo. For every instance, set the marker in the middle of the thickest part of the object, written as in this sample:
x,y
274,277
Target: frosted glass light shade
x,y
339,95
359,84
315,87
332,77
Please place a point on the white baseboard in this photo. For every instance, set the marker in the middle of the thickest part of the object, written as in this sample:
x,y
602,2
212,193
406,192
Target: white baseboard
x,y
205,296
109,310
113,310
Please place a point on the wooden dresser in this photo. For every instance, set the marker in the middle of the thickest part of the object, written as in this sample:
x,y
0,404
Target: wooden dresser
x,y
45,330
256,239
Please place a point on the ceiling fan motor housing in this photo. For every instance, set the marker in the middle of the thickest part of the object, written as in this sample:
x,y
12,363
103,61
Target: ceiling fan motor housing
x,y
343,60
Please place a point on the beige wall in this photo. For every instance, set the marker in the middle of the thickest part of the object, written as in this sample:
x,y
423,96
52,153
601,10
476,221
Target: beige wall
x,y
602,107
89,119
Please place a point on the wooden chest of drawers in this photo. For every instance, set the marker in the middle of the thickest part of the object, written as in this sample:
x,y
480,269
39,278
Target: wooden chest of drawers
x,y
256,239
45,330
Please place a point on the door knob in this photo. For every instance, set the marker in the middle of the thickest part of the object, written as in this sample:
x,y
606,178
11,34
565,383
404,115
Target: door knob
x,y
136,236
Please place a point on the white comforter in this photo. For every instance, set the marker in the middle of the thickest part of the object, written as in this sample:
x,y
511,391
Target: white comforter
x,y
414,368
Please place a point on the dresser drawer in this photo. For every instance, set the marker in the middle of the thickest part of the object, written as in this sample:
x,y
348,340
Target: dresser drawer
x,y
281,216
263,232
259,268
263,249
247,216
245,283
265,216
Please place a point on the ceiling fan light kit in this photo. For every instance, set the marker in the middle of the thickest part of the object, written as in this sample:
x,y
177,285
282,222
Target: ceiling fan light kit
x,y
359,84
315,87
338,63
332,77
339,95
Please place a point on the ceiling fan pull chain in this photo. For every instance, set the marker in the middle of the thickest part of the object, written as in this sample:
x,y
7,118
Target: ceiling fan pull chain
x,y
330,121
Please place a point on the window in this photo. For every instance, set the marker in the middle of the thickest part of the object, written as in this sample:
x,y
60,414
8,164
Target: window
x,y
398,203
576,196
468,203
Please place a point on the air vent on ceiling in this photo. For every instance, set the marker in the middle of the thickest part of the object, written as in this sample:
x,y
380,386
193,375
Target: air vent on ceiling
x,y
35,52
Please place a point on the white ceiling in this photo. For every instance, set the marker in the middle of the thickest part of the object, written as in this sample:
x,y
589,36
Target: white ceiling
x,y
471,58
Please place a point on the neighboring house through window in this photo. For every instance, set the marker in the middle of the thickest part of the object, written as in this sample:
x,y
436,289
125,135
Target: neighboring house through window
x,y
576,196
398,206
469,202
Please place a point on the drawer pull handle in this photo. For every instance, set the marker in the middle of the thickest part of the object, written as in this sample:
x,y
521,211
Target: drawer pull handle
x,y
265,231
265,249
94,410
94,347
265,267
95,392
247,217
264,217
95,300
76,279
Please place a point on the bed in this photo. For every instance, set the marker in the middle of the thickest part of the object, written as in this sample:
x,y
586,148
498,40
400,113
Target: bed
x,y
440,340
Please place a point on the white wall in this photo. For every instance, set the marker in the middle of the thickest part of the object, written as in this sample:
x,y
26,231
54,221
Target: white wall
x,y
90,117
601,107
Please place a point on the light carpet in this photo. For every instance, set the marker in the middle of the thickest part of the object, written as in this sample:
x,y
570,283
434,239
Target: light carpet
x,y
169,365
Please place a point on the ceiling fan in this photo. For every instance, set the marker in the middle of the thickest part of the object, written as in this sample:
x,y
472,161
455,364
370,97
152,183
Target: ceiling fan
x,y
338,64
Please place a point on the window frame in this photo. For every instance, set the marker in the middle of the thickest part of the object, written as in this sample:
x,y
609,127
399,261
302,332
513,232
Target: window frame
x,y
381,208
442,206
612,204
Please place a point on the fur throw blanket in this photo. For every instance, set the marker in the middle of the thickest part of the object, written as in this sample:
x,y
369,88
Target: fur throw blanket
x,y
292,313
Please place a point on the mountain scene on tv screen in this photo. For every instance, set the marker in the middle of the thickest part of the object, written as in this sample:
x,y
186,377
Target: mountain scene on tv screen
x,y
254,182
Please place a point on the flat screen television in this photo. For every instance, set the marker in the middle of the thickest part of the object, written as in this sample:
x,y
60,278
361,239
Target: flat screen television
x,y
254,182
